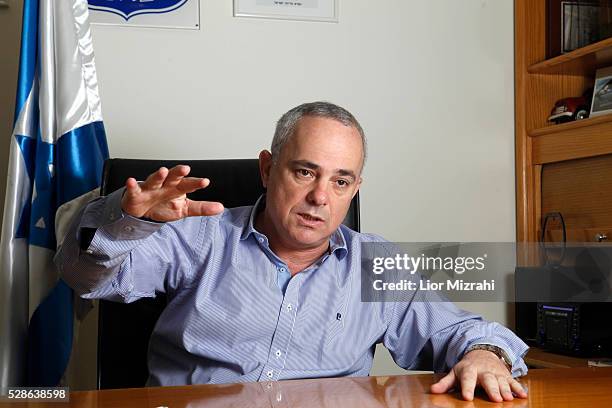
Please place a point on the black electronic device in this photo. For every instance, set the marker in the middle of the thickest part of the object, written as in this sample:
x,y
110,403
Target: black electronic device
x,y
582,329
563,305
545,319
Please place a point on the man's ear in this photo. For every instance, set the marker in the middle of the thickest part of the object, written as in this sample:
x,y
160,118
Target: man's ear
x,y
357,187
265,163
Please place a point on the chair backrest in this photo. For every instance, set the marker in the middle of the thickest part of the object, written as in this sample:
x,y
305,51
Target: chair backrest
x,y
124,329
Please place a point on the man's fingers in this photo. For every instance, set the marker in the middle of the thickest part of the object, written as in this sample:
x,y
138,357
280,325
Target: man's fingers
x,y
176,174
131,186
191,184
491,385
198,208
504,388
468,380
444,384
155,180
517,388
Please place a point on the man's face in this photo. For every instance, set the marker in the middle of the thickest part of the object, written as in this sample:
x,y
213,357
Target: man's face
x,y
311,184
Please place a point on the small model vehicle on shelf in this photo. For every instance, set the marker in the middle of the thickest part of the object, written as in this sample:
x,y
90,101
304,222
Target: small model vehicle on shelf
x,y
573,108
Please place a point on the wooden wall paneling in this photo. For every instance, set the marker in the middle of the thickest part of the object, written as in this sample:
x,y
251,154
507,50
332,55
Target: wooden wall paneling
x,y
581,190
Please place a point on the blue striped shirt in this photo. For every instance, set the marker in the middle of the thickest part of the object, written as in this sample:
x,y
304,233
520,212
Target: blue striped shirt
x,y
235,314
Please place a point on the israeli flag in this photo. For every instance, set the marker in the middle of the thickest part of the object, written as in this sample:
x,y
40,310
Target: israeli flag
x,y
57,151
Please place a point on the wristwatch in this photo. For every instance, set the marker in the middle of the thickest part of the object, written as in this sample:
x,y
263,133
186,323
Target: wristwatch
x,y
498,351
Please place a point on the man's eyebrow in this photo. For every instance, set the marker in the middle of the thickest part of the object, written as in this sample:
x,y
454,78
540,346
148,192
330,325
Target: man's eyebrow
x,y
347,173
314,166
305,163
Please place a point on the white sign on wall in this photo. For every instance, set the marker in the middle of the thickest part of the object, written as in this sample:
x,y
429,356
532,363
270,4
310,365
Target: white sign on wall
x,y
146,13
314,10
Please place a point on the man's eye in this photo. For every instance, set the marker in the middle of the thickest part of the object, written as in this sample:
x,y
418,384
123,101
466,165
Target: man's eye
x,y
342,183
304,173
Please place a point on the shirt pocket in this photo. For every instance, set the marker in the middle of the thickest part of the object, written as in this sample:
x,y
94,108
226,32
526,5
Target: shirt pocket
x,y
336,326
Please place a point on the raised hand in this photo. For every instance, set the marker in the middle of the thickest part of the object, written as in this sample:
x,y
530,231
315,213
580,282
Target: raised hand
x,y
163,196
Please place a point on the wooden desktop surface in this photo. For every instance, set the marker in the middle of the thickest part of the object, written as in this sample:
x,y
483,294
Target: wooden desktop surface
x,y
575,388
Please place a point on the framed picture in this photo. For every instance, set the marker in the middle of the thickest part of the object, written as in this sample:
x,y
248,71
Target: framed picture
x,y
602,92
573,24
579,25
306,10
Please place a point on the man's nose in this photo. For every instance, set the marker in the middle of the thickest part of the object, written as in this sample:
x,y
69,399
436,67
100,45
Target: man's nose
x,y
318,194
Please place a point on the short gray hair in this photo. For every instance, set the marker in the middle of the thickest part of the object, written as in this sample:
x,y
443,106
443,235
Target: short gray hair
x,y
285,127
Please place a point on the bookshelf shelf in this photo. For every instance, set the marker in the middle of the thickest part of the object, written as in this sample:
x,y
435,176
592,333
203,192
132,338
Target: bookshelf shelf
x,y
583,61
571,126
584,138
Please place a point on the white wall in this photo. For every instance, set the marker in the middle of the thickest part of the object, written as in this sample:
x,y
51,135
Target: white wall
x,y
430,81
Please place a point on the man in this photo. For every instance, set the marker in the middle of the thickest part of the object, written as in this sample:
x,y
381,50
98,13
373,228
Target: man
x,y
272,291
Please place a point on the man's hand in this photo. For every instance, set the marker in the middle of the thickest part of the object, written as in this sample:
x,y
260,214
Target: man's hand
x,y
486,369
163,196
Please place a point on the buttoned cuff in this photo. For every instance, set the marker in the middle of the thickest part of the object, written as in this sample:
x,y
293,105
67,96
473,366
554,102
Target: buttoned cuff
x,y
116,231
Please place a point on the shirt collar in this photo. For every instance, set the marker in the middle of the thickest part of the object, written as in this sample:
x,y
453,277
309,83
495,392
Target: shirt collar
x,y
337,242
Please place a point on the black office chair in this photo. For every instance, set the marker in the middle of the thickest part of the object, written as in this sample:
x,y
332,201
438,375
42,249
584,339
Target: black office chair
x,y
124,329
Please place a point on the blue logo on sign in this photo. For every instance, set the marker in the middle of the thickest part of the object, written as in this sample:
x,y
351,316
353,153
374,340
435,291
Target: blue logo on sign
x,y
130,8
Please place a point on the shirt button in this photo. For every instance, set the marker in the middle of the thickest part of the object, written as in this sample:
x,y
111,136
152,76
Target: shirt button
x,y
261,240
270,374
128,229
289,307
278,353
281,269
89,251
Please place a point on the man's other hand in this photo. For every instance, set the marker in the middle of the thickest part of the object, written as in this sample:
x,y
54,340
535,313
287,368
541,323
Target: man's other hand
x,y
163,196
485,369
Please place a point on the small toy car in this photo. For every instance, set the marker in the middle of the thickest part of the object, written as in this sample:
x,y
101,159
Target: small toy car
x,y
574,108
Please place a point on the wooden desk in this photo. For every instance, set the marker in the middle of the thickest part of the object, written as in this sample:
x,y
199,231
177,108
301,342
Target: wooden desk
x,y
575,388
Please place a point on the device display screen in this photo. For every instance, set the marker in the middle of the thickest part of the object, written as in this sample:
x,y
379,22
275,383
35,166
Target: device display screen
x,y
556,329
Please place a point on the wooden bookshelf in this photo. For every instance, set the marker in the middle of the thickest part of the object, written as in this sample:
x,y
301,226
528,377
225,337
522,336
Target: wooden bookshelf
x,y
539,83
563,168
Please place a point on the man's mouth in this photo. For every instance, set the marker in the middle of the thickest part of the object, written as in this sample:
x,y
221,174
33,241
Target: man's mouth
x,y
310,218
